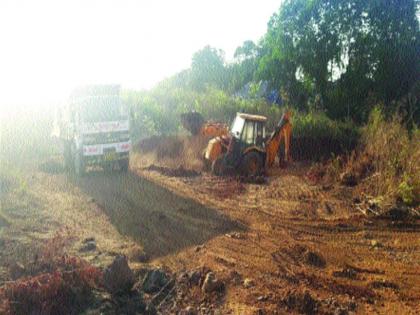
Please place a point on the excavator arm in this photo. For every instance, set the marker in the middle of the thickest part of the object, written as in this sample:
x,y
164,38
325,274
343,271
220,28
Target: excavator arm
x,y
283,132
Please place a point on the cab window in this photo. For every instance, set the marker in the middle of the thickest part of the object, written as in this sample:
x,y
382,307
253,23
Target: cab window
x,y
248,133
253,133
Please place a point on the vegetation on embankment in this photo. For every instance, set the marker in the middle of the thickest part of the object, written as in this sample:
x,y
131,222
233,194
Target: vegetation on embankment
x,y
340,57
384,167
387,162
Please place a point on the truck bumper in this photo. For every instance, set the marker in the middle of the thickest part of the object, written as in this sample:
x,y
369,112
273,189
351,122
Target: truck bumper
x,y
105,153
102,159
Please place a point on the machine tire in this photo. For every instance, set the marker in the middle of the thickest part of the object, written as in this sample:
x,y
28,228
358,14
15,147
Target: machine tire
x,y
79,165
68,161
252,164
124,165
217,167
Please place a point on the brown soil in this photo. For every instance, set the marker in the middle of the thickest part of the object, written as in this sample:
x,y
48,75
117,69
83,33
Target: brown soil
x,y
173,151
300,242
283,247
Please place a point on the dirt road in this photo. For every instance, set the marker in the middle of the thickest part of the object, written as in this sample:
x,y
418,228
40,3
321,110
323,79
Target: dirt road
x,y
287,246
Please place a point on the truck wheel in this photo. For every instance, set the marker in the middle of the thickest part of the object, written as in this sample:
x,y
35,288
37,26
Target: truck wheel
x,y
79,165
124,165
68,162
252,164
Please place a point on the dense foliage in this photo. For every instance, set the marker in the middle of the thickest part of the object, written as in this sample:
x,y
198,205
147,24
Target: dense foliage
x,y
344,56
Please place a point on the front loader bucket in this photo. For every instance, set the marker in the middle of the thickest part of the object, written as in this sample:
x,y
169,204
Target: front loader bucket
x,y
192,122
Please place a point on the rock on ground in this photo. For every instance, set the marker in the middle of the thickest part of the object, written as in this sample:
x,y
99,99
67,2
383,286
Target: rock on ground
x,y
118,277
154,280
211,283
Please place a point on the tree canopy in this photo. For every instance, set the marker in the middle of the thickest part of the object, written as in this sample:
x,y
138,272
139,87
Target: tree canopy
x,y
343,53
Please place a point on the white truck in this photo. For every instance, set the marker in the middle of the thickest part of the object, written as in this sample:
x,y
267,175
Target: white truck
x,y
94,129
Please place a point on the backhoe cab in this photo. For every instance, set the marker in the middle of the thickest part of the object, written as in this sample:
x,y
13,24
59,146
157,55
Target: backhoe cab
x,y
247,150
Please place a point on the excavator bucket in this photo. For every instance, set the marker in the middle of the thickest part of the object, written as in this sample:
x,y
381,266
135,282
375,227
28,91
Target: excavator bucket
x,y
193,122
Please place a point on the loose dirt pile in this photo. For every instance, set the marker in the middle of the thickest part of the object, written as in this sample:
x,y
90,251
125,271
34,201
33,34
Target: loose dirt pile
x,y
174,152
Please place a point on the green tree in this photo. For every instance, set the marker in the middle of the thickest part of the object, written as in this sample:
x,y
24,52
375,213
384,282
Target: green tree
x,y
208,68
242,70
343,51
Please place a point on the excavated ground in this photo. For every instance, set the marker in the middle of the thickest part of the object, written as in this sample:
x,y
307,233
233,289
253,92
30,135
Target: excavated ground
x,y
300,238
284,246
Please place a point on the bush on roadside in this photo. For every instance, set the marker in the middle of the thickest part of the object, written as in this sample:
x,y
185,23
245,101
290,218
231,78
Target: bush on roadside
x,y
52,283
67,290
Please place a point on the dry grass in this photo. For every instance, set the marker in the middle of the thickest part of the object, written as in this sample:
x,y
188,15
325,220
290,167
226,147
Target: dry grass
x,y
66,290
387,164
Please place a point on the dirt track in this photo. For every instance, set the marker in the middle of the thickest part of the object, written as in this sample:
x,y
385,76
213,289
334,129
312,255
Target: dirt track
x,y
288,237
161,221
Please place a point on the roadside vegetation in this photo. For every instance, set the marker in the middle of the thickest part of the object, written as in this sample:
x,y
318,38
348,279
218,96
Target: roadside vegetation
x,y
387,161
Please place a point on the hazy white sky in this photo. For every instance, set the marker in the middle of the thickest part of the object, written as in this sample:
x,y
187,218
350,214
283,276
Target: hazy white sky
x,y
50,46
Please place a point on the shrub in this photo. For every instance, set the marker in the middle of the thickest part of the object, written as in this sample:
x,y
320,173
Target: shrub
x,y
52,283
67,290
392,155
318,137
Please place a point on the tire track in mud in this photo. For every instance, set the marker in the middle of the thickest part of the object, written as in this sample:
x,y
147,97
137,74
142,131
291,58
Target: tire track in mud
x,y
159,220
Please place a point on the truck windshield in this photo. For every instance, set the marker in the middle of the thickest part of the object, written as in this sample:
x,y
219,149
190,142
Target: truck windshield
x,y
102,108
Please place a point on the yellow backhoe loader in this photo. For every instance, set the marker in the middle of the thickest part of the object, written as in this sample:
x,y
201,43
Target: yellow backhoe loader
x,y
246,149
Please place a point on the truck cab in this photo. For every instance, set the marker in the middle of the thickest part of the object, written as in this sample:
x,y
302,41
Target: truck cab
x,y
94,129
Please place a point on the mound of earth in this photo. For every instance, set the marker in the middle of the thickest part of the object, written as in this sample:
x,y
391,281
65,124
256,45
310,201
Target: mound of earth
x,y
171,152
